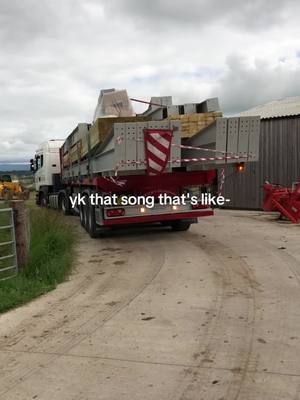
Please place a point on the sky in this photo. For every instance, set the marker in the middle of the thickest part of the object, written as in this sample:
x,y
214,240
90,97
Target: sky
x,y
57,55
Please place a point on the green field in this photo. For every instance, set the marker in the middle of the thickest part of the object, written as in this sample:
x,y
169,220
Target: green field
x,y
49,262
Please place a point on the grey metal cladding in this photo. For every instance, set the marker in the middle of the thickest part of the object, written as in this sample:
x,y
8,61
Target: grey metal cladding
x,y
279,162
289,106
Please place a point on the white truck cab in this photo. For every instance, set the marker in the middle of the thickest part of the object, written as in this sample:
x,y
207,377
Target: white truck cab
x,y
46,163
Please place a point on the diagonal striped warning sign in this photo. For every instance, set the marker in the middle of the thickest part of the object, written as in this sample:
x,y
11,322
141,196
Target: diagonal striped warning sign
x,y
157,149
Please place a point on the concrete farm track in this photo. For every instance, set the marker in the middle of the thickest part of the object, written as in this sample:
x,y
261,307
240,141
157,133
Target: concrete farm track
x,y
212,314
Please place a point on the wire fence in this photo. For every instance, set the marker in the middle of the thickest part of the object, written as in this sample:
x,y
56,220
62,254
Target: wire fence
x,y
8,251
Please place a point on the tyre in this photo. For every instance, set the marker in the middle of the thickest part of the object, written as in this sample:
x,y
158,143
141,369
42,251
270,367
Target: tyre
x,y
43,200
85,216
83,213
91,221
81,216
165,223
180,226
65,205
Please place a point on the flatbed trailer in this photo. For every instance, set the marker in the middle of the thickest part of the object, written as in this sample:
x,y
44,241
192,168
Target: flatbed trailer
x,y
140,159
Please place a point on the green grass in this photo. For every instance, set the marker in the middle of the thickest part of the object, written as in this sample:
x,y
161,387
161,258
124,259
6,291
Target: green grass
x,y
50,260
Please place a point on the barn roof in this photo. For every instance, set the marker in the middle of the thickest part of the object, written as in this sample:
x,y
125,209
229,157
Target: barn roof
x,y
289,106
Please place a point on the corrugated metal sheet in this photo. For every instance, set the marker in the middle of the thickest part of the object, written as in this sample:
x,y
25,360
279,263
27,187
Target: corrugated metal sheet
x,y
279,162
289,106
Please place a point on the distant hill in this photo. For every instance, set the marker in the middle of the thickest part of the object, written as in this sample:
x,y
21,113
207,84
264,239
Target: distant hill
x,y
16,173
15,167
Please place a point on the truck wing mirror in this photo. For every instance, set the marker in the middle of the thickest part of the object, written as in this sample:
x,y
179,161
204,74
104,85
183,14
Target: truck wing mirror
x,y
32,167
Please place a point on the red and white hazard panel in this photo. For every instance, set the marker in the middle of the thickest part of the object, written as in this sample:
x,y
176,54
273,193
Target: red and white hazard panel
x,y
157,149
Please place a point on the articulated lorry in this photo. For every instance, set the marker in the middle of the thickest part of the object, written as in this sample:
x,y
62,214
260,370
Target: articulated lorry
x,y
168,150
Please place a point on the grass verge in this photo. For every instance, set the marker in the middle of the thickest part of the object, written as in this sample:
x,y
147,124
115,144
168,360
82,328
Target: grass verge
x,y
49,262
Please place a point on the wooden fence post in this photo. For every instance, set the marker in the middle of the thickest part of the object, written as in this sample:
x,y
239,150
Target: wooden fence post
x,y
22,230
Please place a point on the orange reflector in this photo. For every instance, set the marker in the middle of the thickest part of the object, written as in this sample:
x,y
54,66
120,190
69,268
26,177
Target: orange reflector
x,y
241,167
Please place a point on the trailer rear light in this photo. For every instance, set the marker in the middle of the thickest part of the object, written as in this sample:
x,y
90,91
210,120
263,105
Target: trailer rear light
x,y
199,206
116,212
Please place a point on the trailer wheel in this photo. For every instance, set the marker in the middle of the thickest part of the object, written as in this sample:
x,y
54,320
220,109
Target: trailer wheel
x,y
91,221
43,200
83,214
65,204
180,226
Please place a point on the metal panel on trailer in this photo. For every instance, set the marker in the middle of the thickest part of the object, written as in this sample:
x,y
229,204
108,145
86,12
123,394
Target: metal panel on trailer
x,y
125,151
233,136
244,130
221,137
104,163
176,150
212,104
130,146
140,145
253,150
225,135
166,101
119,141
189,108
173,110
105,160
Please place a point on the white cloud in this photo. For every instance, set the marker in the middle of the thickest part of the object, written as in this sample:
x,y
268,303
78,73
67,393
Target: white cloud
x,y
243,86
56,56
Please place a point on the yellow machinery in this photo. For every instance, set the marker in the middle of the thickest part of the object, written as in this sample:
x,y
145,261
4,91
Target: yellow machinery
x,y
10,189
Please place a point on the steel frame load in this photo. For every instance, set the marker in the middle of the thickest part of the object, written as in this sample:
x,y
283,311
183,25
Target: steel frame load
x,y
228,140
234,139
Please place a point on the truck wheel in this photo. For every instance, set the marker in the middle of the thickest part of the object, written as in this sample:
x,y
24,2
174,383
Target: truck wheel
x,y
83,213
65,204
165,223
91,221
43,200
81,216
180,226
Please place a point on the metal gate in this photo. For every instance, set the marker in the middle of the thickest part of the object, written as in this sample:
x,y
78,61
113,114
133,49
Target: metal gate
x,y
8,251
